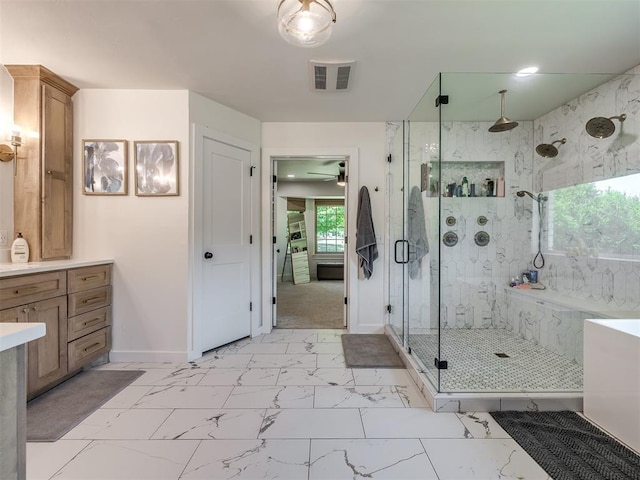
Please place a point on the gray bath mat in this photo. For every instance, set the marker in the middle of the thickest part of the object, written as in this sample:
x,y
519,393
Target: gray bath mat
x,y
54,413
369,351
568,447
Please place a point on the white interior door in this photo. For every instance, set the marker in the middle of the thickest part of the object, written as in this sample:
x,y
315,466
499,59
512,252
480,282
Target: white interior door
x,y
225,256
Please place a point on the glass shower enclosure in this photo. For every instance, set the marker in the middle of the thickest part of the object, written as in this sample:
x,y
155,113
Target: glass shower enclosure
x,y
490,277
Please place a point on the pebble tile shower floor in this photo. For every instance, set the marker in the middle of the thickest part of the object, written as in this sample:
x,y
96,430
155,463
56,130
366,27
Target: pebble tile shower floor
x,y
473,365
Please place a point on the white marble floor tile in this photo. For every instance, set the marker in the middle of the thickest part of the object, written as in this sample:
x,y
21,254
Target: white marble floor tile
x,y
312,423
382,376
127,397
197,423
317,376
482,425
314,348
411,396
481,458
182,376
249,460
199,396
331,336
258,348
284,360
241,376
357,397
331,360
291,337
270,397
119,424
359,459
44,459
129,460
238,360
410,423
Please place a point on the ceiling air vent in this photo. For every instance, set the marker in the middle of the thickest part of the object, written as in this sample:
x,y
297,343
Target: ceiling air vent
x,y
330,76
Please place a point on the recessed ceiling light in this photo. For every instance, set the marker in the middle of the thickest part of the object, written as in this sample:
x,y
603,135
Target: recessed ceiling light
x,y
525,72
291,176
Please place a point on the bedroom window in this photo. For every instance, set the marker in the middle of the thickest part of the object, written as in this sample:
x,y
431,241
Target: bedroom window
x,y
329,226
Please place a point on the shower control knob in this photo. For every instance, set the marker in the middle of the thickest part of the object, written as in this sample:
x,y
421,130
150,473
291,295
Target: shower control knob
x,y
208,255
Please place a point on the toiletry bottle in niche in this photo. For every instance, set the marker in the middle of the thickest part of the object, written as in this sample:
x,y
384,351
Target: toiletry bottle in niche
x,y
20,250
465,187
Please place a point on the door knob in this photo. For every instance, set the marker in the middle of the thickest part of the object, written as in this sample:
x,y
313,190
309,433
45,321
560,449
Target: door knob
x,y
208,255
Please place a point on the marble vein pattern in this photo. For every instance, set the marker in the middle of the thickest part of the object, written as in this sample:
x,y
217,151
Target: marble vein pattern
x,y
239,415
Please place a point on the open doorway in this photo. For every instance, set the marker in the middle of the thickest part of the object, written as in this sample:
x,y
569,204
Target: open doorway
x,y
310,225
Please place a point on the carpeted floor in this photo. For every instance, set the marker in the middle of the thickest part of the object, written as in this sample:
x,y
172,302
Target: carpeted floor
x,y
57,411
569,447
318,304
369,351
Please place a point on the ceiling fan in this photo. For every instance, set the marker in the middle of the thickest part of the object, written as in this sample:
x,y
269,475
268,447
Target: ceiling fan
x,y
340,176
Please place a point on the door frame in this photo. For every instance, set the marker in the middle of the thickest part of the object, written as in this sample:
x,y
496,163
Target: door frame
x,y
351,200
194,305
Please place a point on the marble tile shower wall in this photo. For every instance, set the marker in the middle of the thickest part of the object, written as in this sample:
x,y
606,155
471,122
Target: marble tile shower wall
x,y
586,159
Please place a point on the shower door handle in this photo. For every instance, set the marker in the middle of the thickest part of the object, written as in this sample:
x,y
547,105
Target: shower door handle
x,y
403,251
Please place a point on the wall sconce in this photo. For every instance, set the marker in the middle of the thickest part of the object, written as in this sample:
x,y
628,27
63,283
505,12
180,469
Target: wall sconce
x,y
305,23
7,153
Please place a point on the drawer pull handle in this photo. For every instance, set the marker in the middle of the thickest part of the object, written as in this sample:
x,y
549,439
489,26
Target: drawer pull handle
x,y
93,321
92,300
90,277
97,344
24,290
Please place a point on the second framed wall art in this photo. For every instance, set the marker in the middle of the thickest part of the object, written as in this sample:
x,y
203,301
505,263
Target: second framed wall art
x,y
156,168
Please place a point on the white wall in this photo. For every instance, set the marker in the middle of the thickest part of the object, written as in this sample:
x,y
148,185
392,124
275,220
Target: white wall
x,y
369,141
146,236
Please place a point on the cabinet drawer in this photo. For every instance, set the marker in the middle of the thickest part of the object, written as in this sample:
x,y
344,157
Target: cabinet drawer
x,y
82,325
87,278
86,349
24,289
89,300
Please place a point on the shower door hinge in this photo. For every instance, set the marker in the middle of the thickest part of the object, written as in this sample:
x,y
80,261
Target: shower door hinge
x,y
389,158
273,300
388,308
440,364
442,100
275,179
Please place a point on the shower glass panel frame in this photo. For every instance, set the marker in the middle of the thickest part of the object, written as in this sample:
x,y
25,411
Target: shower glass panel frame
x,y
468,330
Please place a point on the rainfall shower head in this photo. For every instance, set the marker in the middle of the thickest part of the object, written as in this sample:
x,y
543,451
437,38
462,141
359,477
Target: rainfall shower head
x,y
548,149
602,127
537,198
503,123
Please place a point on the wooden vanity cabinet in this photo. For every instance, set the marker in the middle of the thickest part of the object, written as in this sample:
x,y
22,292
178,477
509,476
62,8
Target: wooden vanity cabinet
x,y
43,184
75,306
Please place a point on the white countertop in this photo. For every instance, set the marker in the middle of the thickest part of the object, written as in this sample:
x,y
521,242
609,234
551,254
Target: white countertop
x,y
579,304
12,269
14,334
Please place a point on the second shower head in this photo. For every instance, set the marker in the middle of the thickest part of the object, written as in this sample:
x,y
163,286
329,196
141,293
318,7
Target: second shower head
x,y
602,127
549,150
537,198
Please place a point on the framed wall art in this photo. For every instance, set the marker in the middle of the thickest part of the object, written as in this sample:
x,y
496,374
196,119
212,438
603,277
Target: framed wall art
x,y
105,167
156,164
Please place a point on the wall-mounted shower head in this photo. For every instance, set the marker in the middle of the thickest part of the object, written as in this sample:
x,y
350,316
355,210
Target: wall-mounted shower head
x,y
549,150
537,198
602,127
503,123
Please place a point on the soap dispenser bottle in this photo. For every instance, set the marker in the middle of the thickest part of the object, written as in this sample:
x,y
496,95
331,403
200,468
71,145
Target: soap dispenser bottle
x,y
20,250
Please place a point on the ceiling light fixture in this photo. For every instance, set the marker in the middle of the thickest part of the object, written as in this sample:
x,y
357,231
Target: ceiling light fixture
x,y
305,23
525,72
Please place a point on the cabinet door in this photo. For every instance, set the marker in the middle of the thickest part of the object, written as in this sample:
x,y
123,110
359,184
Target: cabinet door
x,y
48,354
57,170
11,315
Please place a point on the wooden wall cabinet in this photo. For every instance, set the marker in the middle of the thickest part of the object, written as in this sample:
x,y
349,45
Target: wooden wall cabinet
x,y
75,305
43,184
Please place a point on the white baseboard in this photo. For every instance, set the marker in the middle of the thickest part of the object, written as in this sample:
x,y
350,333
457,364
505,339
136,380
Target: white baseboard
x,y
141,356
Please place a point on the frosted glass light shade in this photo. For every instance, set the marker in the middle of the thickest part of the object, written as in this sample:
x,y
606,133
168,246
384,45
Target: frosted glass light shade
x,y
305,23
